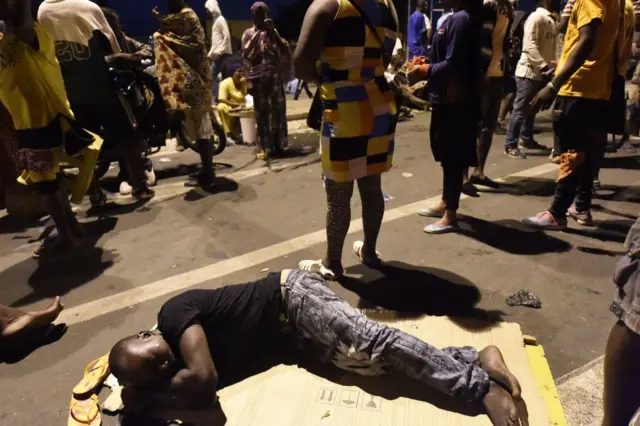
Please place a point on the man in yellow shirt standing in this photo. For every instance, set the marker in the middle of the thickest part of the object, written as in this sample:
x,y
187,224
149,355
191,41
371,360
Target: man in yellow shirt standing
x,y
582,85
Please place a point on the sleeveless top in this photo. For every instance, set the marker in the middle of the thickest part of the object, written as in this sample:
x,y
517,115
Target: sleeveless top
x,y
357,136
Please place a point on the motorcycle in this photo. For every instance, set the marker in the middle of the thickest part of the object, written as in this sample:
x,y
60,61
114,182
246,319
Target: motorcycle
x,y
139,93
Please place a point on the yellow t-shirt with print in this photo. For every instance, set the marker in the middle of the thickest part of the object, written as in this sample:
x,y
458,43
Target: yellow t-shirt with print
x,y
593,79
625,38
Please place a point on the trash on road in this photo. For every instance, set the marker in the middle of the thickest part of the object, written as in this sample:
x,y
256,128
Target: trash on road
x,y
387,197
265,270
407,175
524,298
165,160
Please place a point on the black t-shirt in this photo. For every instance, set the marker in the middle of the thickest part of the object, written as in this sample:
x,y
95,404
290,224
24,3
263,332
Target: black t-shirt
x,y
238,320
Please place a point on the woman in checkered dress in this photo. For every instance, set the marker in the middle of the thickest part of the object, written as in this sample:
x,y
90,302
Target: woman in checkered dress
x,y
338,49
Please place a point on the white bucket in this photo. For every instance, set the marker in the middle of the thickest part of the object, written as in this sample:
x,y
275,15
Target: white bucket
x,y
248,127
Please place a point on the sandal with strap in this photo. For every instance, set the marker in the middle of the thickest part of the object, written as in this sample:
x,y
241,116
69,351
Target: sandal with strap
x,y
357,250
95,373
317,267
84,412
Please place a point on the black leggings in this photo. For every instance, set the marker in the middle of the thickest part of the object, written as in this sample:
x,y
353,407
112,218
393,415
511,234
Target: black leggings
x,y
452,185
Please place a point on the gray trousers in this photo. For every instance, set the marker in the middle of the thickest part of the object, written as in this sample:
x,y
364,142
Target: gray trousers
x,y
340,335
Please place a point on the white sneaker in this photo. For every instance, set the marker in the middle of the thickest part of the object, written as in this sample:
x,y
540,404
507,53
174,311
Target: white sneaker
x,y
125,188
150,177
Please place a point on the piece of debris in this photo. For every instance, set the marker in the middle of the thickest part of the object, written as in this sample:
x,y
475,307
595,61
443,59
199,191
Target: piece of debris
x,y
265,270
407,175
165,160
387,197
524,298
326,414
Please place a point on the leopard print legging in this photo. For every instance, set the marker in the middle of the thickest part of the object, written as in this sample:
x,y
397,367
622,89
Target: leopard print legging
x,y
339,216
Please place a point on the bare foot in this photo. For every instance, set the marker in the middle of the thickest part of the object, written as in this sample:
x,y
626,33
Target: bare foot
x,y
49,315
54,309
492,362
500,406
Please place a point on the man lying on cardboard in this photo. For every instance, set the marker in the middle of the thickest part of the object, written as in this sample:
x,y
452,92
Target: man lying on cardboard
x,y
205,334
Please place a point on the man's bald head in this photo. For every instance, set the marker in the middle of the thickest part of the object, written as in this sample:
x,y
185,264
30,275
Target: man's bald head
x,y
141,360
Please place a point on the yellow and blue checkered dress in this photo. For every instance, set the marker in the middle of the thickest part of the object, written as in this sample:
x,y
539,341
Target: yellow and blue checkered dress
x,y
358,128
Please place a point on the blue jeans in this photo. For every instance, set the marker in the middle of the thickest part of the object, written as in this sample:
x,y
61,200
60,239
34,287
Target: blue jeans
x,y
335,332
521,120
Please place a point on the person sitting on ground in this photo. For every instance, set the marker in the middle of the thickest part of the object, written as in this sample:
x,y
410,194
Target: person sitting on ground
x,y
16,324
204,335
231,95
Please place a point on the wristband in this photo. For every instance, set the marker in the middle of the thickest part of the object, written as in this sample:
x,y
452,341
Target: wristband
x,y
552,87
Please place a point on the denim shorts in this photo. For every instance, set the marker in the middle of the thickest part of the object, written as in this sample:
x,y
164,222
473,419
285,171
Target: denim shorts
x,y
626,303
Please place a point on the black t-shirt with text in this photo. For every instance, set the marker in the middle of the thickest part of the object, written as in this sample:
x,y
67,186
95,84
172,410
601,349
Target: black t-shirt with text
x,y
239,320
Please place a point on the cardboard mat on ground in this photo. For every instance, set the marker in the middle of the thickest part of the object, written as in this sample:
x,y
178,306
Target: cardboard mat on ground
x,y
293,396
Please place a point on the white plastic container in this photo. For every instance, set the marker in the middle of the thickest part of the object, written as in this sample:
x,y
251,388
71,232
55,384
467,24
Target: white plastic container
x,y
248,127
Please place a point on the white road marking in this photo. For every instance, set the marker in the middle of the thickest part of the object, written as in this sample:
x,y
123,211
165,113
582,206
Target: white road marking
x,y
109,304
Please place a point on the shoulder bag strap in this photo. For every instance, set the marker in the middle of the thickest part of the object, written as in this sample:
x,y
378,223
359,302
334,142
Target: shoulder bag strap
x,y
373,29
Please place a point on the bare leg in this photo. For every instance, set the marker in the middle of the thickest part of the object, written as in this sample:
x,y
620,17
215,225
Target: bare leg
x,y
25,321
621,376
59,208
372,213
76,228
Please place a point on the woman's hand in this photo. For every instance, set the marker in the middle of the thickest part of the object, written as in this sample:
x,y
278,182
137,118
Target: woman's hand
x,y
156,14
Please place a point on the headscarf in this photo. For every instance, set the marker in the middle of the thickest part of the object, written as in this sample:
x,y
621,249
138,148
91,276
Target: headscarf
x,y
258,6
261,55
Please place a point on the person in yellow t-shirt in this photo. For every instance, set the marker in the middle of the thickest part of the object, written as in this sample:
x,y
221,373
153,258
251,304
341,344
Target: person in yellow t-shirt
x,y
33,91
582,85
231,94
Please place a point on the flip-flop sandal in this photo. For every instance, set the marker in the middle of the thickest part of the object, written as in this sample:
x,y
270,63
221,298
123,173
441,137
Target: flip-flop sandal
x,y
317,267
439,229
84,412
357,249
430,213
95,373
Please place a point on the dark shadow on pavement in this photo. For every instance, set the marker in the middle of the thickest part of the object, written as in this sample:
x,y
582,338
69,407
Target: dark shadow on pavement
x,y
612,193
223,184
511,237
536,187
115,209
630,161
608,230
599,208
10,224
411,291
56,277
601,252
35,339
